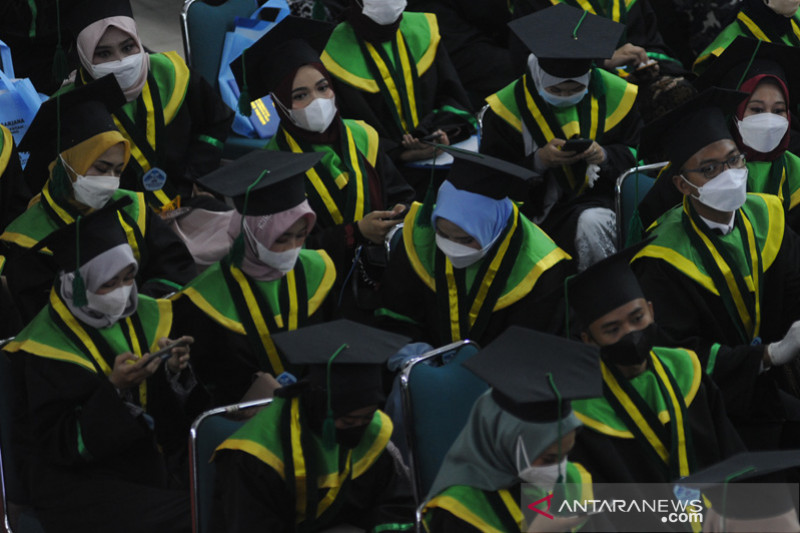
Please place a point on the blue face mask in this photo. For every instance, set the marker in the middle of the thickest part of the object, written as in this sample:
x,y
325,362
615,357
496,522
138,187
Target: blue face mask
x,y
563,101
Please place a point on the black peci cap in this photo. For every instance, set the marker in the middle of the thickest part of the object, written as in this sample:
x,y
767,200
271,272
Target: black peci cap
x,y
566,39
528,370
731,68
486,175
91,235
689,128
605,285
292,43
280,176
82,14
85,112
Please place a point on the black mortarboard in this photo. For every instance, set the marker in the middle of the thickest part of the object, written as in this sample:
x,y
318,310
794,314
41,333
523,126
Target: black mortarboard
x,y
529,370
739,500
731,68
605,285
281,184
293,42
345,358
486,175
84,112
689,128
90,11
96,232
565,39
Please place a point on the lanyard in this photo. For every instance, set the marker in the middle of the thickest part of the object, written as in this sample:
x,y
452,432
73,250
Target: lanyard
x,y
673,449
92,343
469,312
741,294
399,86
351,187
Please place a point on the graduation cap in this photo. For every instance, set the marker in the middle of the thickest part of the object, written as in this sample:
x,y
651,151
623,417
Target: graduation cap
x,y
734,498
346,359
89,236
263,182
534,375
90,11
293,42
605,285
565,39
745,58
692,126
486,175
78,114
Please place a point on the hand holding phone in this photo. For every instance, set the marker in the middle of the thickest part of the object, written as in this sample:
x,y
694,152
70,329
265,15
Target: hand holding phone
x,y
577,145
166,352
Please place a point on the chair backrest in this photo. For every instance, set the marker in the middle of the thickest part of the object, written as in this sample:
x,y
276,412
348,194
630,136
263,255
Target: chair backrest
x,y
630,188
203,28
436,404
208,431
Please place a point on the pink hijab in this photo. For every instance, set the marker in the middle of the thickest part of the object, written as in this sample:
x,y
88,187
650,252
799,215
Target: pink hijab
x,y
91,35
266,229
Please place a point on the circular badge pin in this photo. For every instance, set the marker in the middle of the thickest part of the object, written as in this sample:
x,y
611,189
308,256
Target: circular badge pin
x,y
154,179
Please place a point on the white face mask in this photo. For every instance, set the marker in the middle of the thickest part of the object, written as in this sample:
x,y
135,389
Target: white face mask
x,y
787,8
94,191
112,304
544,477
461,256
127,70
563,101
763,132
383,12
316,116
281,261
726,192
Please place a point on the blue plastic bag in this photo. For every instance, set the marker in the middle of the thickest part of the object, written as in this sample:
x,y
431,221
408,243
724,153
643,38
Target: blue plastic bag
x,y
19,101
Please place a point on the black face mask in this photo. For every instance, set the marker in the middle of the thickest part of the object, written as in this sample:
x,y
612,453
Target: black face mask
x,y
350,437
632,349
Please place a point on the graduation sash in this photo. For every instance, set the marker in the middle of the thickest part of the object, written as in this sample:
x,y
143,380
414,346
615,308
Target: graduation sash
x,y
780,177
740,291
672,449
616,10
278,436
254,310
344,195
543,125
397,78
468,312
754,31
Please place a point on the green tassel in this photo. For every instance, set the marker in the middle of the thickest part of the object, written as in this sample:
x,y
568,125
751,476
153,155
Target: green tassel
x,y
244,102
60,68
237,250
636,230
329,432
79,290
60,185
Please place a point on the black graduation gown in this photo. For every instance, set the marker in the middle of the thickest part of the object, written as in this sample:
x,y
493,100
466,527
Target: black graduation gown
x,y
30,275
501,140
14,192
683,309
250,496
124,483
405,293
476,36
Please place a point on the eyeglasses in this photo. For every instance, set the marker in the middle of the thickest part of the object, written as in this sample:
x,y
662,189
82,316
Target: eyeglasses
x,y
712,170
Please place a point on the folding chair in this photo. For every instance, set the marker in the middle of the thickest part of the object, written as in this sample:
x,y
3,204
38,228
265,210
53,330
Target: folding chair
x,y
203,29
393,239
436,404
18,516
208,431
630,188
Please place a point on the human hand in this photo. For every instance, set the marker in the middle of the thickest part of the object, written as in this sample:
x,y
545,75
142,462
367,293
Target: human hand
x,y
129,370
376,224
627,54
180,354
416,150
553,155
594,155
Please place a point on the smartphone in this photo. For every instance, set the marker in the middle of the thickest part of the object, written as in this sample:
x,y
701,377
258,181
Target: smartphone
x,y
577,145
432,137
650,64
165,352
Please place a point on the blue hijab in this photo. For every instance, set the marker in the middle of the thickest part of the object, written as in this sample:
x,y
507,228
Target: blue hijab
x,y
482,217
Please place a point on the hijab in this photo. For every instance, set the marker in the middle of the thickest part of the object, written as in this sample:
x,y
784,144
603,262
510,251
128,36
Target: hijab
x,y
89,37
282,96
484,454
749,87
96,272
542,79
366,28
266,229
482,217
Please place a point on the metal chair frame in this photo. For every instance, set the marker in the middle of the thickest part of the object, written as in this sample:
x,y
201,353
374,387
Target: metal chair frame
x,y
618,194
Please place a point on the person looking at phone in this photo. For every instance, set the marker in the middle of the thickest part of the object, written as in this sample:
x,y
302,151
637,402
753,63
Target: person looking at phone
x,y
104,419
562,97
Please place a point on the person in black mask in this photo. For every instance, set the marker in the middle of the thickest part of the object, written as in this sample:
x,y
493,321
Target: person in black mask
x,y
661,417
320,454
